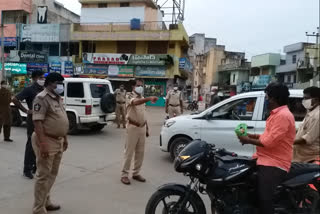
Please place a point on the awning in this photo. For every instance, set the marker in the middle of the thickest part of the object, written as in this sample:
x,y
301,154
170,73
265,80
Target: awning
x,y
121,79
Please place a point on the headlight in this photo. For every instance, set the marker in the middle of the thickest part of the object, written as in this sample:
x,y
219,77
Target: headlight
x,y
184,157
169,123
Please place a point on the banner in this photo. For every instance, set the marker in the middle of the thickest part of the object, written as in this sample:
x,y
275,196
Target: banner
x,y
15,68
55,66
151,71
37,67
104,58
120,71
95,69
9,41
68,67
184,64
148,59
40,33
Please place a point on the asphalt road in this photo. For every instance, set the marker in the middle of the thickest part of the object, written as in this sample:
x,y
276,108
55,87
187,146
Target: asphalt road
x,y
89,178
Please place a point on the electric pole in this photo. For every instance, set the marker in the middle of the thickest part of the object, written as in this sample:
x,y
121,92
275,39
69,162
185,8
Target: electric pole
x,y
3,73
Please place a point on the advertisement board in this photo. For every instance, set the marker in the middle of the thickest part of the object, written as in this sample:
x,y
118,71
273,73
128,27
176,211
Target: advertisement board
x,y
151,71
95,69
15,68
68,67
148,59
120,71
55,66
10,41
104,58
37,67
40,32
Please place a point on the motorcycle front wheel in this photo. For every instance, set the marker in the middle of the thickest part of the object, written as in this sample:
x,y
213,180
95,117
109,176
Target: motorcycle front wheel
x,y
167,202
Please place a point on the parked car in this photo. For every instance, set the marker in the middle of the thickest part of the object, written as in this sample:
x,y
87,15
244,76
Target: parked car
x,y
216,124
89,103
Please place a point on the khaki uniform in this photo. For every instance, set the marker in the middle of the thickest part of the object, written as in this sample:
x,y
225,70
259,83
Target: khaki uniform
x,y
309,131
136,136
48,108
174,106
5,112
121,107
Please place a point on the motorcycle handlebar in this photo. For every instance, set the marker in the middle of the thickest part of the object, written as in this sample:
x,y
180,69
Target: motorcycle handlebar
x,y
224,152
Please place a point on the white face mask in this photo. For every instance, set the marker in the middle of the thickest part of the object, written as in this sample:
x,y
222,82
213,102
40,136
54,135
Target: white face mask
x,y
59,90
139,90
41,82
307,104
175,88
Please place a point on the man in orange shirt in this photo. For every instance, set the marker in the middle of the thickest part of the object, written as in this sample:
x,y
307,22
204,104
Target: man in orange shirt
x,y
274,146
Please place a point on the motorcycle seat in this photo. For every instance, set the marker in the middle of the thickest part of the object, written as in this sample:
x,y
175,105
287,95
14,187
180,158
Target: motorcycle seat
x,y
302,168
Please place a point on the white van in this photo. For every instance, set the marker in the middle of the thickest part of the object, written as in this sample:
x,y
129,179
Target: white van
x,y
89,103
216,124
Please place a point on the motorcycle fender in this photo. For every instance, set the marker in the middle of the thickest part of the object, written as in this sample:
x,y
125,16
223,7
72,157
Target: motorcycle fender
x,y
173,186
302,179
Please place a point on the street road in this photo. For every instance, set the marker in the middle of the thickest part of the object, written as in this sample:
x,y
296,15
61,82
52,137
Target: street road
x,y
89,178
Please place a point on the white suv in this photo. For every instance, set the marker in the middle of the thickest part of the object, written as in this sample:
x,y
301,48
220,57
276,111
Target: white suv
x,y
89,103
216,125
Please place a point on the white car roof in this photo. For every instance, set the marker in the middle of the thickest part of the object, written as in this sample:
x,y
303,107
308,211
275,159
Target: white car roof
x,y
90,80
293,92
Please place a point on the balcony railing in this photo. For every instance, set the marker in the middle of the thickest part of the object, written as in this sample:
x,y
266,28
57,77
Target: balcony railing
x,y
233,66
119,26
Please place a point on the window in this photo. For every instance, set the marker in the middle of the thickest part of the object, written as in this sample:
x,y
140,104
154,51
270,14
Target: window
x,y
126,47
289,78
294,78
233,78
294,59
98,90
102,5
236,110
157,47
295,106
75,90
125,4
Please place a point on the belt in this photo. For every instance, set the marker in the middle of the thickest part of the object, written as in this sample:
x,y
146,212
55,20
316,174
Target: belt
x,y
121,102
136,123
52,136
174,105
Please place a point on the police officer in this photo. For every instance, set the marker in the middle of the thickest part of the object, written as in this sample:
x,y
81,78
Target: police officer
x,y
137,131
49,140
121,106
174,102
5,111
28,94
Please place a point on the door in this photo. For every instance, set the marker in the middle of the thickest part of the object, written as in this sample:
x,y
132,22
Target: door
x,y
97,91
218,128
75,97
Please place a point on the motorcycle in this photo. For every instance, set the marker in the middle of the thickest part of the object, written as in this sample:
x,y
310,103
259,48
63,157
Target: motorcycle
x,y
230,182
193,106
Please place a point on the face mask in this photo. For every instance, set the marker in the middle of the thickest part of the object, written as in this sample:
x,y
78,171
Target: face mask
x,y
59,90
307,104
139,90
175,88
41,82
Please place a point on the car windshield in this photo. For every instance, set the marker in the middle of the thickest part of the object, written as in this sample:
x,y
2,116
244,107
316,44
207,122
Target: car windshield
x,y
98,90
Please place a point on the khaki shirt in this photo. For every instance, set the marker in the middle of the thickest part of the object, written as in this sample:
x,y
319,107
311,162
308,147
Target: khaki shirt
x,y
174,98
120,96
48,108
309,131
135,113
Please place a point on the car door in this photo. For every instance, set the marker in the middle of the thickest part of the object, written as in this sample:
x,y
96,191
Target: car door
x,y
97,91
75,97
218,128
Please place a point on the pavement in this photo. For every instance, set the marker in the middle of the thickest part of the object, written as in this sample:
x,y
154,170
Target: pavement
x,y
89,177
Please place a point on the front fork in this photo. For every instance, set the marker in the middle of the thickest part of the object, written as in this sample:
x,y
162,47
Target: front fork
x,y
193,185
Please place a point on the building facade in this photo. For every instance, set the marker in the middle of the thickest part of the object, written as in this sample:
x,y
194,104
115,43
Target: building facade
x,y
122,40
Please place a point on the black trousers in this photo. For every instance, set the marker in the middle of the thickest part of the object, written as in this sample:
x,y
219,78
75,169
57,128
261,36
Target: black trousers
x,y
6,131
268,180
29,156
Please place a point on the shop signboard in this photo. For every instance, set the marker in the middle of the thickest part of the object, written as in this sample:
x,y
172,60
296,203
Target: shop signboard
x,y
95,69
120,71
37,67
184,64
15,68
105,58
151,71
148,59
55,66
40,32
10,41
68,67
31,56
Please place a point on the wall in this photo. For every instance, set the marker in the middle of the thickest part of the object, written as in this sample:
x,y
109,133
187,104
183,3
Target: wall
x,y
106,47
240,76
16,5
105,15
265,59
56,12
214,57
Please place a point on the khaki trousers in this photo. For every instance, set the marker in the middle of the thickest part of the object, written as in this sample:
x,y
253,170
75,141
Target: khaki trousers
x,y
135,145
121,114
47,171
174,110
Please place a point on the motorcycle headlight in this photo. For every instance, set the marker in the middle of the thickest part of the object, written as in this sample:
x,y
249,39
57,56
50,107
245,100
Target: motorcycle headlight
x,y
169,123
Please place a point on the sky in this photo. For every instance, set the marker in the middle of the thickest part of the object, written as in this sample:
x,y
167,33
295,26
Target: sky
x,y
251,26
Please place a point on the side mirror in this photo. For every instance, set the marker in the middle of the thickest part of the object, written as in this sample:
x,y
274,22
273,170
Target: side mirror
x,y
208,116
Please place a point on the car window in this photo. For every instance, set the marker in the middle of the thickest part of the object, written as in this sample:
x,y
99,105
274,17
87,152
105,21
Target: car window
x,y
295,106
98,90
241,109
75,90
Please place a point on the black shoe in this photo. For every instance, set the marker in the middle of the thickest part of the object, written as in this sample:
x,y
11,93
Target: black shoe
x,y
28,175
8,140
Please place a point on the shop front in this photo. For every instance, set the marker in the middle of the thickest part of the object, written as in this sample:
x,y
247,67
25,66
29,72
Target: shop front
x,y
16,74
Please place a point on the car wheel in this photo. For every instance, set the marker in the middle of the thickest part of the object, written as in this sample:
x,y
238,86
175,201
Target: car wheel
x,y
177,145
73,127
97,127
